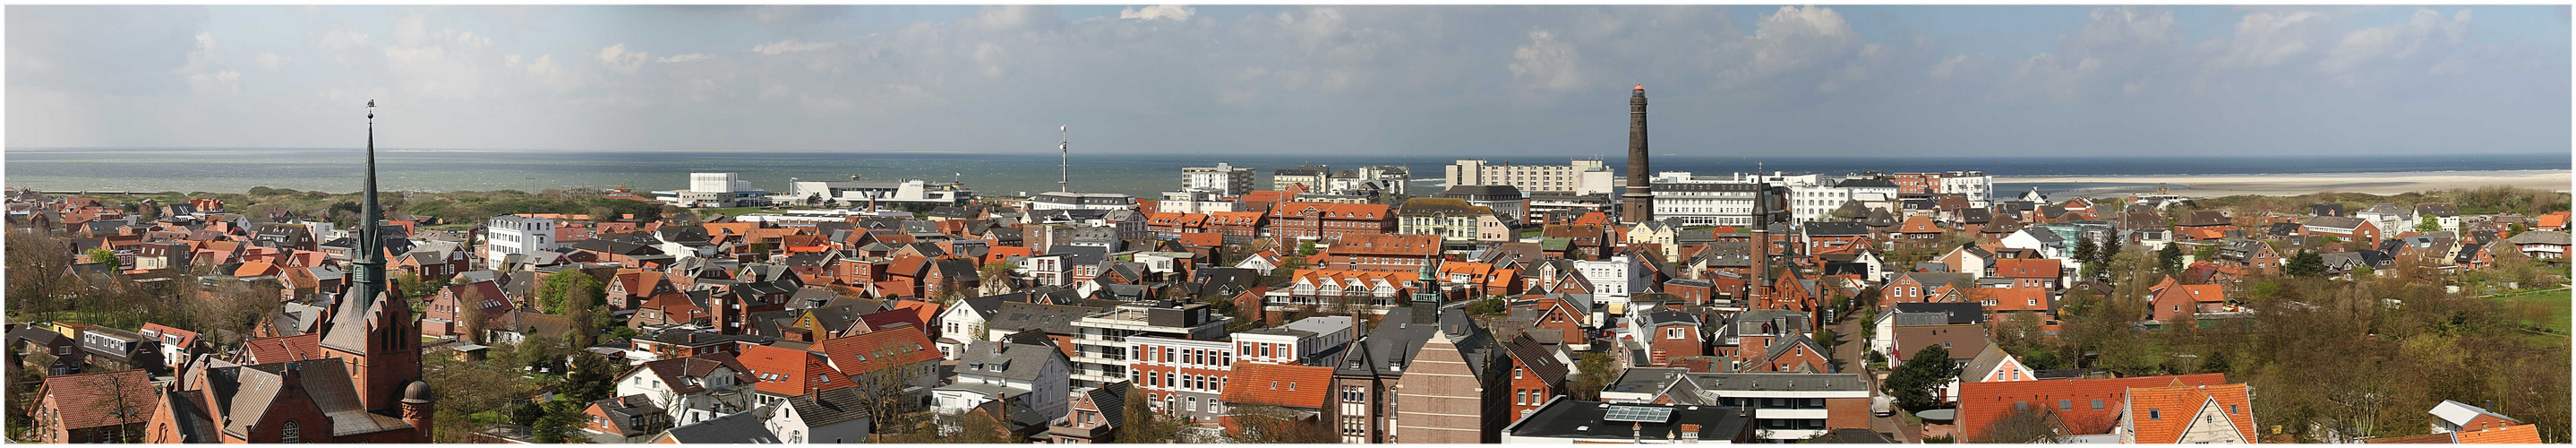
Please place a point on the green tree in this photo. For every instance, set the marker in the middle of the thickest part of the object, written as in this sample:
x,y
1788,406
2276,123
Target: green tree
x,y
554,288
2429,224
1488,307
106,257
2110,248
2307,264
2085,251
1145,424
1306,248
2169,259
1593,372
1913,384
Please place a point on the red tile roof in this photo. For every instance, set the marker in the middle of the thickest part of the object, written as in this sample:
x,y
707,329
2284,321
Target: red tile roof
x,y
790,372
1982,404
1917,224
862,353
1377,244
2028,268
284,348
2521,434
91,400
2015,299
1279,385
2180,405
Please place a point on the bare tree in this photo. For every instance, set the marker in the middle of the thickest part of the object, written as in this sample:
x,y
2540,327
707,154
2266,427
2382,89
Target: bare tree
x,y
1260,423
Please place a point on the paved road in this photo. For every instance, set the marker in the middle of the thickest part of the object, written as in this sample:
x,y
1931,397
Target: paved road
x,y
1850,357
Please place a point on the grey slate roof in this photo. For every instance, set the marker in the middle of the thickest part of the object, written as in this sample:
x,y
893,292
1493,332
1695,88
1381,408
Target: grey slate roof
x,y
1019,361
1958,313
739,427
830,407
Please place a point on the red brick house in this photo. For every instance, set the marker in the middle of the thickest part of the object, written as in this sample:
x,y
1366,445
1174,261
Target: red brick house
x,y
1291,221
100,407
1381,252
1537,375
2180,301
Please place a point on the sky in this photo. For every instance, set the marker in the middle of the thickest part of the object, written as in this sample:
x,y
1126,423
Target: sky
x,y
1172,79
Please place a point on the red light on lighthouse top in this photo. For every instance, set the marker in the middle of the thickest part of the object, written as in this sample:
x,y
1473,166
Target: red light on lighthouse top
x,y
1641,87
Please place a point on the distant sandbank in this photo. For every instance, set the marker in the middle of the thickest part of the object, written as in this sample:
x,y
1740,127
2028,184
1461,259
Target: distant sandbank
x,y
2299,184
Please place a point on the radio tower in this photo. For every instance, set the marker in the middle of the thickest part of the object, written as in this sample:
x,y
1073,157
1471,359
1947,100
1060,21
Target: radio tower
x,y
1063,168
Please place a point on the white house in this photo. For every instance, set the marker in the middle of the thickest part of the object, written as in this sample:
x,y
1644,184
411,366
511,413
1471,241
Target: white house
x,y
831,416
692,389
1034,375
507,235
1615,277
1991,365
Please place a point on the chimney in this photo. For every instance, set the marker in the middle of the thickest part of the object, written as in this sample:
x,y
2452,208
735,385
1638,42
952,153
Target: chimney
x,y
1637,431
1690,433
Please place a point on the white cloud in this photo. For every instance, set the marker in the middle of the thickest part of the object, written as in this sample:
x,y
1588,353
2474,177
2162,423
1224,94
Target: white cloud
x,y
411,29
674,59
2266,38
791,46
2396,42
341,40
616,56
1159,12
205,73
1547,63
271,61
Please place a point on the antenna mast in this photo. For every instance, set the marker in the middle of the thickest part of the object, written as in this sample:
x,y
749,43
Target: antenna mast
x,y
1063,168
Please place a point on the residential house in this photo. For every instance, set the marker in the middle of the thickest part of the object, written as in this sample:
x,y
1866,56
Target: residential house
x,y
98,407
1023,370
2187,414
832,416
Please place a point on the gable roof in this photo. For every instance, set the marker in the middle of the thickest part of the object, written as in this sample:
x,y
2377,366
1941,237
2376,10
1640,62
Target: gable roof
x,y
739,427
91,400
2160,415
1280,385
1982,404
830,407
2517,434
871,351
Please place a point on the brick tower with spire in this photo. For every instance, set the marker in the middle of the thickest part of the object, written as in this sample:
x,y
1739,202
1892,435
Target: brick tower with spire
x,y
372,328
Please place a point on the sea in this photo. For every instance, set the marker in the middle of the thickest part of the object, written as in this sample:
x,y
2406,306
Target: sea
x,y
1143,175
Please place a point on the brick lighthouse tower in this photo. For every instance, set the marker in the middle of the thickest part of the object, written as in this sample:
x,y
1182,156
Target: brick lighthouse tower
x,y
1637,203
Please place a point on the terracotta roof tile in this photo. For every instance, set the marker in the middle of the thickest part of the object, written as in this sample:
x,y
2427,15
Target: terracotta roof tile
x,y
2520,434
1983,403
90,400
790,372
284,348
2160,414
1279,385
867,352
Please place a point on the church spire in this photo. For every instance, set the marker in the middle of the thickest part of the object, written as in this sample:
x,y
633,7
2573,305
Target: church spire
x,y
371,253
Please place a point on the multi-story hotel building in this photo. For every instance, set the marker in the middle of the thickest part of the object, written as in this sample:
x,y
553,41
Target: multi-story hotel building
x,y
1580,177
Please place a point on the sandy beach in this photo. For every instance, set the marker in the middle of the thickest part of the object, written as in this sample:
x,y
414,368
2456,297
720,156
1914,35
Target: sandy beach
x,y
2299,184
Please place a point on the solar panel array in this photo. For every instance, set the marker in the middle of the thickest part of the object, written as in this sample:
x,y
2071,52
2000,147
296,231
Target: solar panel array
x,y
1637,414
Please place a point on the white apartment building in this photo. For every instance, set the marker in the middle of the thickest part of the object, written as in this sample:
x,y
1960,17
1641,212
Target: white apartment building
x,y
1101,351
715,190
1978,186
1613,277
1580,177
1812,197
1193,201
1224,179
506,235
1706,203
916,191
1295,342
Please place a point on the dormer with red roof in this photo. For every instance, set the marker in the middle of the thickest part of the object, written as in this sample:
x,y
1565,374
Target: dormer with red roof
x,y
2187,414
779,372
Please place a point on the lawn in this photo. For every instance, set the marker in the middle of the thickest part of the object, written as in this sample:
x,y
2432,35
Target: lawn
x,y
735,211
2545,308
